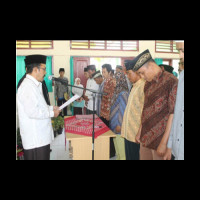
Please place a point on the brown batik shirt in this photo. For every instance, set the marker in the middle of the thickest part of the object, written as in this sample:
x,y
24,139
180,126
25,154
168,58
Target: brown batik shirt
x,y
159,103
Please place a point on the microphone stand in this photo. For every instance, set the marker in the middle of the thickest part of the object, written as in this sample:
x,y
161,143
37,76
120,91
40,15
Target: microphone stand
x,y
94,93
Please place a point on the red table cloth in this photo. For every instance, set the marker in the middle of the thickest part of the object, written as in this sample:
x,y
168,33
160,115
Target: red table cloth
x,y
83,125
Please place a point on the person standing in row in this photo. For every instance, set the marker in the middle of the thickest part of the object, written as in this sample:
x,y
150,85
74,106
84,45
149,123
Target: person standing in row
x,y
99,80
119,69
106,100
91,84
79,103
61,91
175,146
160,97
109,89
181,66
167,68
130,85
118,106
132,116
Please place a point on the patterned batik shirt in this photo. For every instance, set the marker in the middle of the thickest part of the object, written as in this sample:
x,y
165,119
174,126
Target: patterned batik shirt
x,y
159,103
117,111
106,99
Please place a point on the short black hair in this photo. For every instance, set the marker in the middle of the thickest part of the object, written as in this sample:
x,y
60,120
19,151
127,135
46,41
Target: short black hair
x,y
61,70
108,67
31,66
91,67
85,69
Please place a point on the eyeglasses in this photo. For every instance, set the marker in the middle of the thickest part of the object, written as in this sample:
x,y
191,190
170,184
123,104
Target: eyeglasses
x,y
43,68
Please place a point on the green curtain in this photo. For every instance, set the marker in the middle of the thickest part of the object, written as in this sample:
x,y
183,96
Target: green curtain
x,y
49,72
71,79
20,68
20,71
158,61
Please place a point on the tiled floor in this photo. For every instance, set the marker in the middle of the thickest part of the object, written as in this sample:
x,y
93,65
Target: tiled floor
x,y
58,148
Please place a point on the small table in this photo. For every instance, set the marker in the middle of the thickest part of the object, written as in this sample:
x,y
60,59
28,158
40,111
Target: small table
x,y
82,146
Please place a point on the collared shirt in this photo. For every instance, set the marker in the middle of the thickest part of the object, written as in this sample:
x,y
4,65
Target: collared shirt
x,y
34,114
176,138
91,84
132,116
99,98
159,102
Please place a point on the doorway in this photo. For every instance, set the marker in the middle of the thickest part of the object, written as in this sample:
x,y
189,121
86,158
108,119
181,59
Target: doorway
x,y
79,63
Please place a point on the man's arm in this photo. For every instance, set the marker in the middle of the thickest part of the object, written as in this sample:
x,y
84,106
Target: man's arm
x,y
137,137
161,150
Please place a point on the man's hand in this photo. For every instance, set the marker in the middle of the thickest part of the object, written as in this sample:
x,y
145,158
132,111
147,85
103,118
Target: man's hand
x,y
86,98
118,129
161,150
56,111
168,154
137,137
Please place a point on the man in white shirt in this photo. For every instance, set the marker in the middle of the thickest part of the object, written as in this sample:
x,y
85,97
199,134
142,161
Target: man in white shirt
x,y
91,84
34,113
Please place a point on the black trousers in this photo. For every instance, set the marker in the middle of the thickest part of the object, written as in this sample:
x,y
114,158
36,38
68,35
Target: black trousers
x,y
89,112
173,157
112,146
59,103
132,150
41,153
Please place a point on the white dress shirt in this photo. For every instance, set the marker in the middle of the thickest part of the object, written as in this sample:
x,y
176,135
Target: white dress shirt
x,y
91,84
34,114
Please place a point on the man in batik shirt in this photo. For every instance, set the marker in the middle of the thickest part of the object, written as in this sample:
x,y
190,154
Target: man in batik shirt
x,y
160,95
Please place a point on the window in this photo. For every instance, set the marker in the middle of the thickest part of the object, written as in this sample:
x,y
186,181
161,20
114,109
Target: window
x,y
34,44
113,45
118,45
130,45
79,44
97,44
166,46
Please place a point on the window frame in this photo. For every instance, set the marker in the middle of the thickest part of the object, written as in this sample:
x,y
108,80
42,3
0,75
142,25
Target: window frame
x,y
106,46
29,43
171,48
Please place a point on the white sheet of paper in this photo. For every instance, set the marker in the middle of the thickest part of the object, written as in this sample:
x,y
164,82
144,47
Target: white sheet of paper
x,y
69,101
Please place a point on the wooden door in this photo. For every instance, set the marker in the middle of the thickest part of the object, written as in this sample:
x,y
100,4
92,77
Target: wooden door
x,y
79,64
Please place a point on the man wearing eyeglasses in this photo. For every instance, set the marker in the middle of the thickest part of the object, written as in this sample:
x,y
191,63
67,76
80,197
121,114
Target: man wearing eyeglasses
x,y
34,113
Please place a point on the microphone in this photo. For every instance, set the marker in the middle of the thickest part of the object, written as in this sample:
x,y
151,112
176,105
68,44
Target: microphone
x,y
66,83
57,79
